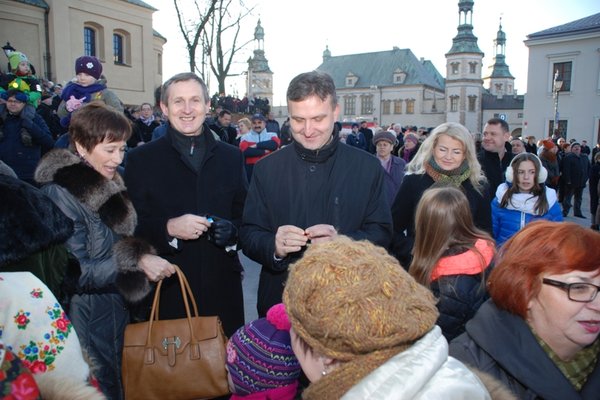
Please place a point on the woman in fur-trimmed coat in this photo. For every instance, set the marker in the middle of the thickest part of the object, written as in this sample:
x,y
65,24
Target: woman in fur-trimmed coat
x,y
84,184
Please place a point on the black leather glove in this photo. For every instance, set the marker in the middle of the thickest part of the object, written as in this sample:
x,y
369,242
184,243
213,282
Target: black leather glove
x,y
222,232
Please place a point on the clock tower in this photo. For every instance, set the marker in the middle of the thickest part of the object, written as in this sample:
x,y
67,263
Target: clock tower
x,y
260,78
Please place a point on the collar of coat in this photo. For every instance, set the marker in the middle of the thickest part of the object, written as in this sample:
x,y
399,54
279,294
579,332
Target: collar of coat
x,y
319,155
107,198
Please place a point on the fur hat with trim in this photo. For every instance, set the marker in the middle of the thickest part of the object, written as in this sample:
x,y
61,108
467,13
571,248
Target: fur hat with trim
x,y
89,65
385,135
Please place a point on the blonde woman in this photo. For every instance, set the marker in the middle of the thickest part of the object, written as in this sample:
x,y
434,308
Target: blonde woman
x,y
446,157
244,126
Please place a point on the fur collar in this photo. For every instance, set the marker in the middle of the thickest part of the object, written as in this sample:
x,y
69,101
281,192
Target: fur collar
x,y
107,198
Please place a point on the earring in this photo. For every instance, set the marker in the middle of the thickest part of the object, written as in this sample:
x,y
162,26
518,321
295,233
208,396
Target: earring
x,y
323,373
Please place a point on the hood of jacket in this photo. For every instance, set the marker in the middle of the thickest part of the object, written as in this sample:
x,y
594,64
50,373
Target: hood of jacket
x,y
107,198
29,221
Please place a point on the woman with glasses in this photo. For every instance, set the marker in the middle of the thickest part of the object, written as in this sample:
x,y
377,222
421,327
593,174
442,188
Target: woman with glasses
x,y
538,333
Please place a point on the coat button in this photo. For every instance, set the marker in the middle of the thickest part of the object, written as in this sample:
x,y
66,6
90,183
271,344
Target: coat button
x,y
312,168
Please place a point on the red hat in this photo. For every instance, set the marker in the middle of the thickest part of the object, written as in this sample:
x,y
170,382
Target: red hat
x,y
548,144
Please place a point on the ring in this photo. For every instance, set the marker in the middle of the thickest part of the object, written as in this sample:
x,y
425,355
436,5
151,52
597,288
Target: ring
x,y
196,232
284,242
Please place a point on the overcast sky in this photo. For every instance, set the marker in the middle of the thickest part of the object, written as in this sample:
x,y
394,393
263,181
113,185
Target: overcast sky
x,y
296,32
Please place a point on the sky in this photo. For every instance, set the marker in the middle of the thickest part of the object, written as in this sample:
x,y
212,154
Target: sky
x,y
296,32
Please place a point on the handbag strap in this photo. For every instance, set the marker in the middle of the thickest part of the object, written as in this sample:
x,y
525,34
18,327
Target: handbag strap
x,y
185,292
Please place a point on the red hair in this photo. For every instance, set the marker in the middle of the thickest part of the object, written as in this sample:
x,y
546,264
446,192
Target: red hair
x,y
541,248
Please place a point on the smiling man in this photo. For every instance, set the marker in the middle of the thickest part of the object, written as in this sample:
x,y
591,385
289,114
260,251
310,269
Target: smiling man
x,y
188,190
494,156
310,191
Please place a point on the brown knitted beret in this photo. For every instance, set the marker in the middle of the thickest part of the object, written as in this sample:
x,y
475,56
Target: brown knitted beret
x,y
348,298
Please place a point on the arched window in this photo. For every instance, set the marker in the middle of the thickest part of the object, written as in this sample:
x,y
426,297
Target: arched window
x,y
121,47
89,41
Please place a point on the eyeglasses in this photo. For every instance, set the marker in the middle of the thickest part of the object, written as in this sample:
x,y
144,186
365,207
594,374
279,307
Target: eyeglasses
x,y
14,101
580,292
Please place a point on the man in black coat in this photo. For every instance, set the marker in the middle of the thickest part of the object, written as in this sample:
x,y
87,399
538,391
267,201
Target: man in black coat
x,y
575,173
222,127
368,134
495,157
189,190
310,191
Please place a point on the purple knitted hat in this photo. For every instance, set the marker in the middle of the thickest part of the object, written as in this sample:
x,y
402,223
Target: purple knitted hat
x,y
90,65
260,356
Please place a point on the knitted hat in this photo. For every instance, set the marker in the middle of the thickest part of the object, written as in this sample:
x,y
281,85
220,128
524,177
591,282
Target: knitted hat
x,y
548,144
89,65
347,299
260,356
385,135
15,58
411,137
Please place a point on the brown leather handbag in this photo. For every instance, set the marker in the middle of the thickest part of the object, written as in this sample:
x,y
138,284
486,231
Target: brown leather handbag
x,y
175,359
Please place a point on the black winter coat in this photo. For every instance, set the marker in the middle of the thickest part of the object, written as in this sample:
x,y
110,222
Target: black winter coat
x,y
502,345
405,207
162,186
344,190
494,168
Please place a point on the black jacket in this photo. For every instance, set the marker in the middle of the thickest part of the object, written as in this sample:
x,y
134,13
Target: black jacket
x,y
344,190
502,345
405,207
494,168
163,186
575,170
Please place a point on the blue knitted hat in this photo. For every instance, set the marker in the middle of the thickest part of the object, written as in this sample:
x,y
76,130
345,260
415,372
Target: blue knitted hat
x,y
260,356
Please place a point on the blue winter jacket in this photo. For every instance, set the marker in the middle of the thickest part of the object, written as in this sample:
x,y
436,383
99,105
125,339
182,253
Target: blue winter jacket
x,y
519,212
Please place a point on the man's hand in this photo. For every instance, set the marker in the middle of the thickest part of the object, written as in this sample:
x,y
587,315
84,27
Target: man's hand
x,y
155,267
187,227
289,239
321,233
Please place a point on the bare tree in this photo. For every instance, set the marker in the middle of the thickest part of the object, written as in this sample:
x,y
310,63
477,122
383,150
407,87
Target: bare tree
x,y
221,42
192,30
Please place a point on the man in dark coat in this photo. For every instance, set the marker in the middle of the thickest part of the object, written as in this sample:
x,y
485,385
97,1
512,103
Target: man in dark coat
x,y
310,191
575,173
368,134
494,157
189,191
222,127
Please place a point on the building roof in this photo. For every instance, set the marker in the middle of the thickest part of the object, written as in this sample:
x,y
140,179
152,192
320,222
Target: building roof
x,y
378,68
156,33
35,3
583,25
492,102
141,4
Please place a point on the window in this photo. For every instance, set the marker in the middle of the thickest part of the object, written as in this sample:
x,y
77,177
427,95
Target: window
x,y
89,41
349,105
118,49
348,81
386,106
398,106
519,115
93,39
366,104
454,68
472,103
454,103
410,106
564,74
562,127
473,67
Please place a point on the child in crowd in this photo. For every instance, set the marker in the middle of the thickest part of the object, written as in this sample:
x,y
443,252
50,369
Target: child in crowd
x,y
451,257
87,85
523,198
21,68
260,360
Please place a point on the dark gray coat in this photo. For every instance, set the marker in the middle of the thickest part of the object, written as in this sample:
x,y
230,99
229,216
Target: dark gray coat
x,y
502,345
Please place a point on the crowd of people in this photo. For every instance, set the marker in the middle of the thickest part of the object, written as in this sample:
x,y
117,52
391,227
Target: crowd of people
x,y
395,263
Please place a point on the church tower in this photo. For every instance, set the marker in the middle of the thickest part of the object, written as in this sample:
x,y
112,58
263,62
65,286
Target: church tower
x,y
499,80
260,78
464,85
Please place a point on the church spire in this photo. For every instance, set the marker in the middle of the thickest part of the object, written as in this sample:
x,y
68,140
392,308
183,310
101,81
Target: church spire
x,y
500,68
465,41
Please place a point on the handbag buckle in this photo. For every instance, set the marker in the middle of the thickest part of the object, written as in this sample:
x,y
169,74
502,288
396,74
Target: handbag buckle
x,y
174,340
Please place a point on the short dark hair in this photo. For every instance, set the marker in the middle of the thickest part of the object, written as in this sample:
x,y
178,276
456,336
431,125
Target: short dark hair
x,y
314,83
95,122
224,112
182,77
498,121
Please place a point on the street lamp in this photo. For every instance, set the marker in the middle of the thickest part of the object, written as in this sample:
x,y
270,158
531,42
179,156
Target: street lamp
x,y
556,86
